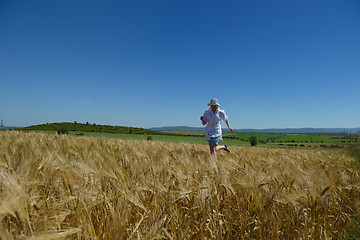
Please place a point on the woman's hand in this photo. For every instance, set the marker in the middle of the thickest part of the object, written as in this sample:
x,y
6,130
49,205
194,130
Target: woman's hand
x,y
202,120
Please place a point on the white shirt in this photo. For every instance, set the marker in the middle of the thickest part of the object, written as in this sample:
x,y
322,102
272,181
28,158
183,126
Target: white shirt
x,y
213,126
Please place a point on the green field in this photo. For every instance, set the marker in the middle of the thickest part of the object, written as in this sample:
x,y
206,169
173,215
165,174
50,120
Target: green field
x,y
162,138
236,138
282,137
259,136
309,139
295,138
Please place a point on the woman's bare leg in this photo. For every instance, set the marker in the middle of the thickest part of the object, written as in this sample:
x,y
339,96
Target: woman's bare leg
x,y
215,148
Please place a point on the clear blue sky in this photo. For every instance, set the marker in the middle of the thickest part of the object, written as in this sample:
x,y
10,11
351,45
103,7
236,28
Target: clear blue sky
x,y
141,63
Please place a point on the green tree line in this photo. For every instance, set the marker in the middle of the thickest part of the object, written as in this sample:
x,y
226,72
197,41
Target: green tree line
x,y
87,127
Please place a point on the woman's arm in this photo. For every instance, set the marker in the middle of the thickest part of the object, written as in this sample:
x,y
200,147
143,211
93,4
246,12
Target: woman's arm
x,y
202,120
228,125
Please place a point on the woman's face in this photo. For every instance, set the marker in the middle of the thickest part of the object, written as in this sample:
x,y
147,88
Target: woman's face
x,y
214,108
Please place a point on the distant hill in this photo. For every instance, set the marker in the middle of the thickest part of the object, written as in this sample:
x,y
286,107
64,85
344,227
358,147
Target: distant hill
x,y
87,127
270,130
177,128
303,130
9,127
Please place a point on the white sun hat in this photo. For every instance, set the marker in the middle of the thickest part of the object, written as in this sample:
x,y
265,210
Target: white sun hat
x,y
214,102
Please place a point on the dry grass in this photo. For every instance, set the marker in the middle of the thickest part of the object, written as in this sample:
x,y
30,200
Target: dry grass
x,y
67,187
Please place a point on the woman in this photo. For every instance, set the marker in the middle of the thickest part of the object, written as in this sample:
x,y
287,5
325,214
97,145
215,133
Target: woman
x,y
212,119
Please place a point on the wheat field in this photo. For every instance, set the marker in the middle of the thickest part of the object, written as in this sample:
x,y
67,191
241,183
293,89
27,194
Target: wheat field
x,y
68,187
